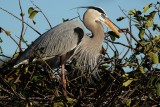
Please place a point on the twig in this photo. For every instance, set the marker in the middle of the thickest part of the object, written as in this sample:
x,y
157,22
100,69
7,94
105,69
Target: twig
x,y
42,14
121,44
151,36
22,30
79,15
20,20
127,31
23,37
129,93
15,93
127,15
113,98
33,71
113,49
2,55
10,37
130,29
5,90
129,40
48,67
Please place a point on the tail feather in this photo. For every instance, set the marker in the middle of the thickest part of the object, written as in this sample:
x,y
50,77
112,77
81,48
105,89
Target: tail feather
x,y
23,58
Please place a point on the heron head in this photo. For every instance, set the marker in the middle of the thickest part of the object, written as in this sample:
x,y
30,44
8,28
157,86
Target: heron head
x,y
99,15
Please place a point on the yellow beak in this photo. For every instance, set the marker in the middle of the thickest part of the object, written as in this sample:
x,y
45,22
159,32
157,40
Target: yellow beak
x,y
111,26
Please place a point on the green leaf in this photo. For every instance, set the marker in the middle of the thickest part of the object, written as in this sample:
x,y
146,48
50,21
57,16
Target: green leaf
x,y
10,78
146,8
58,104
128,82
125,75
26,70
147,48
24,41
16,55
71,100
17,72
132,12
154,57
141,69
141,33
8,33
152,80
105,65
35,78
158,89
30,10
128,102
33,14
120,18
113,38
149,23
150,18
152,14
156,37
113,35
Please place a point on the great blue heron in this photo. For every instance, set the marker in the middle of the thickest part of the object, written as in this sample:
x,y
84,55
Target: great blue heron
x,y
69,39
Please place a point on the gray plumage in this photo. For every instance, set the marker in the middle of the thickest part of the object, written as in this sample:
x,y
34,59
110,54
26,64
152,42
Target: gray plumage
x,y
53,43
70,39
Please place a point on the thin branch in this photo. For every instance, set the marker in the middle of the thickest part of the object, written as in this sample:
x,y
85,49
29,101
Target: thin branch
x,y
127,31
129,40
2,55
11,88
122,44
22,30
10,37
23,37
42,14
5,90
128,48
127,15
20,20
151,36
130,28
79,15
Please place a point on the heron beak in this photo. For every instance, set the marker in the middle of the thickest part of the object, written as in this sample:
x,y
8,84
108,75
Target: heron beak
x,y
111,26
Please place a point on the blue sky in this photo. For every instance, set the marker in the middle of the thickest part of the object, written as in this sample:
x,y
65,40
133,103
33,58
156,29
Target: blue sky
x,y
55,10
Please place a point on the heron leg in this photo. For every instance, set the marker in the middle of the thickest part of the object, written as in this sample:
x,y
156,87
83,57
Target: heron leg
x,y
63,81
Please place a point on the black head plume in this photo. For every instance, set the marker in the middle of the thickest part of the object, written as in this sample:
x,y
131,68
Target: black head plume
x,y
95,8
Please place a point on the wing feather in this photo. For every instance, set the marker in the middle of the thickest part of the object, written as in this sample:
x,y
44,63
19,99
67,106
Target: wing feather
x,y
55,42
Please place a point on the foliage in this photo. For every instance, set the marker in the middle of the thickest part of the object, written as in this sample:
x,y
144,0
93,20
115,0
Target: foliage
x,y
36,84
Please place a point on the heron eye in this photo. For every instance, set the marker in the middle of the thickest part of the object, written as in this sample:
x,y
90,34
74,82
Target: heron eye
x,y
103,16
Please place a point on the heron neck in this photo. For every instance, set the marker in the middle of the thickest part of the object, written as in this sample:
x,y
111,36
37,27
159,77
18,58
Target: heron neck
x,y
98,34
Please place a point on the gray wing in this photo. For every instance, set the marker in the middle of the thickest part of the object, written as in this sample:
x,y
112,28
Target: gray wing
x,y
55,42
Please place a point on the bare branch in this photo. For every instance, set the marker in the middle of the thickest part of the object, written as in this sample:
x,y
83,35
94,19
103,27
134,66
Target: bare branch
x,y
42,14
22,30
20,20
11,37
